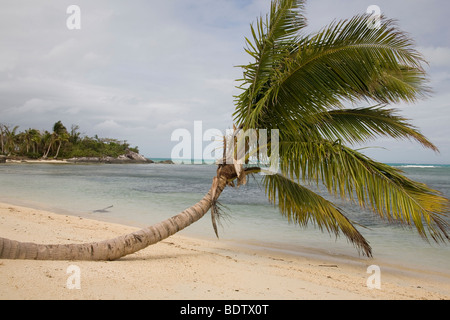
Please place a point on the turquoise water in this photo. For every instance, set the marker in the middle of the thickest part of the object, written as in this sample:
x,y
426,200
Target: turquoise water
x,y
145,194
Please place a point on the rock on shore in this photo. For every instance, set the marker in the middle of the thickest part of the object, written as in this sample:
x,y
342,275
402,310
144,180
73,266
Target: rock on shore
x,y
129,157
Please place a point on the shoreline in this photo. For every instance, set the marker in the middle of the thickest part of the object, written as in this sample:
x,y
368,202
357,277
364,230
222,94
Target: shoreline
x,y
84,161
183,267
38,161
277,247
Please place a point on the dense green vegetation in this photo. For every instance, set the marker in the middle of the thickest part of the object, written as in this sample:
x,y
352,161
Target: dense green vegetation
x,y
60,143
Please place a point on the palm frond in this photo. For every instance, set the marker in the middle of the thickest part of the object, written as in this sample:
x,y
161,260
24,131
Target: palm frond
x,y
352,175
346,61
302,86
272,41
302,206
396,85
362,124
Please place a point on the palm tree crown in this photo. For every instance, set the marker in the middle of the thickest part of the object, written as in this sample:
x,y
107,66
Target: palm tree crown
x,y
302,85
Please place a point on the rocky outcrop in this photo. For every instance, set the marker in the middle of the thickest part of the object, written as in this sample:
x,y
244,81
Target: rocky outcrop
x,y
166,162
129,157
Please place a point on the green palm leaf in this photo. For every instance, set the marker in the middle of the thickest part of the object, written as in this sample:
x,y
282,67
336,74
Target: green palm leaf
x,y
272,40
361,124
302,86
302,206
344,62
352,175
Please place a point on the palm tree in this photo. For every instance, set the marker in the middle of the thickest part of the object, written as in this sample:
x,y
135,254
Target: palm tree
x,y
58,135
74,137
29,139
47,141
11,137
300,85
61,135
35,139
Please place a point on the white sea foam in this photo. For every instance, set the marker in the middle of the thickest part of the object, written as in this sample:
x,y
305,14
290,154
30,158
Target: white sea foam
x,y
416,166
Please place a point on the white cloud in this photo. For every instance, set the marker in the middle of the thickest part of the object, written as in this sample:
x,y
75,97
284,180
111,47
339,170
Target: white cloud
x,y
68,47
108,125
36,105
436,56
172,125
138,70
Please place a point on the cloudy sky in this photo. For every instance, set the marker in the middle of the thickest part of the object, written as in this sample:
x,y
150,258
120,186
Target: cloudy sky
x,y
138,70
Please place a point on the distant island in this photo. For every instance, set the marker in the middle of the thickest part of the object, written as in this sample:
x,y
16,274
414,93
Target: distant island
x,y
62,144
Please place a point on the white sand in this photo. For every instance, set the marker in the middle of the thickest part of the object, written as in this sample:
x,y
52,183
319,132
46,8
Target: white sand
x,y
51,161
189,268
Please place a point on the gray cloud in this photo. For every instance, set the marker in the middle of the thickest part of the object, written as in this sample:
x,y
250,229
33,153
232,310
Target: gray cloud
x,y
138,70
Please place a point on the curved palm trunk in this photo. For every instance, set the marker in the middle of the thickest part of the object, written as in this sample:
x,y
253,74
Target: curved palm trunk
x,y
48,150
57,151
118,247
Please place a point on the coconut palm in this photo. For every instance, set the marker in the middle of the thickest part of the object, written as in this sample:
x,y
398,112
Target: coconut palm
x,y
11,137
35,139
305,88
30,138
47,140
61,135
74,136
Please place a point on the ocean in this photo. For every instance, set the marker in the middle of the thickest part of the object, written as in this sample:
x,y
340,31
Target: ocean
x,y
144,194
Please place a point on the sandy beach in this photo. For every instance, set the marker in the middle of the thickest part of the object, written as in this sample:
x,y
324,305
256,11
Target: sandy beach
x,y
48,161
189,268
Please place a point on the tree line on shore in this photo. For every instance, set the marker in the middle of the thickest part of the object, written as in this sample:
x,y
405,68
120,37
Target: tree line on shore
x,y
59,143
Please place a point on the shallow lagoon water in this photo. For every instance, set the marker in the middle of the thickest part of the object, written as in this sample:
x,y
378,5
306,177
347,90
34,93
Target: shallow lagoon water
x,y
145,194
